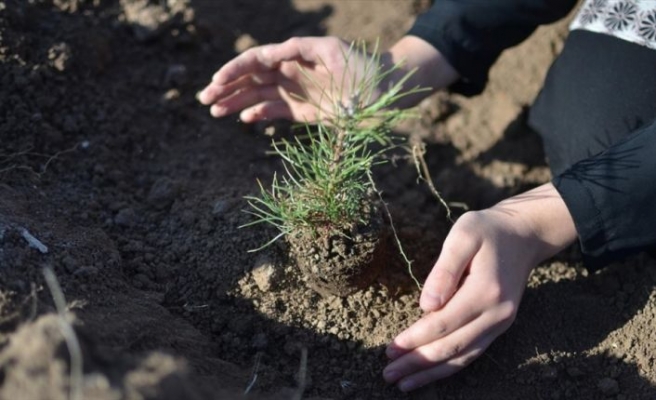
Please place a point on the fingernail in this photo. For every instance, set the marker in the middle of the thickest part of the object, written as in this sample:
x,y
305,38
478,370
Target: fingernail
x,y
407,385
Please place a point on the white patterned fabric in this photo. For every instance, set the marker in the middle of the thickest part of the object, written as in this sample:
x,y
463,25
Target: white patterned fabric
x,y
632,20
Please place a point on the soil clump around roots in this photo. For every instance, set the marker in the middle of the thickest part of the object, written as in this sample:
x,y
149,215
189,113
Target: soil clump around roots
x,y
339,264
113,176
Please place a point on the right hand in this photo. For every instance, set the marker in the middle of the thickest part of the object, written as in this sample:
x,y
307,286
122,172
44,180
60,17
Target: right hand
x,y
266,82
473,292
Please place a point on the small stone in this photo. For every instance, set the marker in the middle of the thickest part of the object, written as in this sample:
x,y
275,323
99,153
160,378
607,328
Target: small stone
x,y
148,21
265,274
244,42
60,56
609,387
171,94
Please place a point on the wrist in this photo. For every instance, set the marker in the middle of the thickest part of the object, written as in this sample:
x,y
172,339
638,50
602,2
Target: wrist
x,y
544,219
432,70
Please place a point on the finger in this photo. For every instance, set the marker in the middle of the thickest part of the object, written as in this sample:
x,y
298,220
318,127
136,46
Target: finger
x,y
448,348
443,280
446,369
214,92
266,58
460,311
244,99
267,110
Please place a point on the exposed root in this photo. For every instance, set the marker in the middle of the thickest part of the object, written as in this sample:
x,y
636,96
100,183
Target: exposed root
x,y
418,151
6,164
396,236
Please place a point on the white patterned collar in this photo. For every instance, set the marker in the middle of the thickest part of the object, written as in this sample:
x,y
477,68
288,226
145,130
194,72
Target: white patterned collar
x,y
632,20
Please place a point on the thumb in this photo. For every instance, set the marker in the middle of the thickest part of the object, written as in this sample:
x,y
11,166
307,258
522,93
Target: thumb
x,y
442,282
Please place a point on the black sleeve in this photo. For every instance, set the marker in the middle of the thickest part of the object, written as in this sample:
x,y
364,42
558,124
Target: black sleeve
x,y
471,34
612,198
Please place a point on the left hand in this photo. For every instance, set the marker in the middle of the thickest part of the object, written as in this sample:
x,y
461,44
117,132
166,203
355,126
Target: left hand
x,y
473,292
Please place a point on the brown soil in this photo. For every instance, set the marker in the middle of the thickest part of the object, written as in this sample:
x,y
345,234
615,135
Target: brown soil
x,y
340,261
135,196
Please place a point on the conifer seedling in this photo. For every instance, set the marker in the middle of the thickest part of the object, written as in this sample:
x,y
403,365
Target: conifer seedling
x,y
326,191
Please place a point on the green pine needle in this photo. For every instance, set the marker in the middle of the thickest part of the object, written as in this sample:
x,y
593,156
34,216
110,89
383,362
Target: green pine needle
x,y
325,182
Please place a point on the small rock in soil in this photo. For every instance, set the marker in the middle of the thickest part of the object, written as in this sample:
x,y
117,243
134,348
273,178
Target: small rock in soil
x,y
265,274
244,42
60,56
609,387
171,94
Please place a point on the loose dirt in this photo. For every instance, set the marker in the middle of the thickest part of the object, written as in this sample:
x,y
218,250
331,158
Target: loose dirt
x,y
114,176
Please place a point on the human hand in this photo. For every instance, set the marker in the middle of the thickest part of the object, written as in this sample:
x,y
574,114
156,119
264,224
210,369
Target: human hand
x,y
302,77
286,80
473,292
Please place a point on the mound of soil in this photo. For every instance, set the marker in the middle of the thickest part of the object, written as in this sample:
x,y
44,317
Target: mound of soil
x,y
112,175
